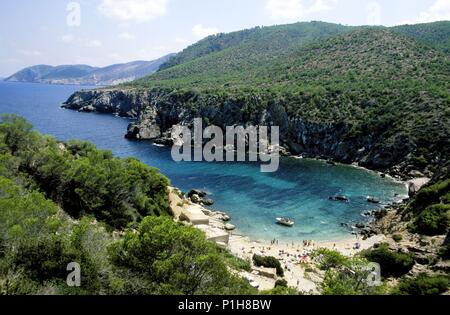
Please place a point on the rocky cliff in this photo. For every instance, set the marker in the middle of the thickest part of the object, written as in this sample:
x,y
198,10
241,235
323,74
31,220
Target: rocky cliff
x,y
157,111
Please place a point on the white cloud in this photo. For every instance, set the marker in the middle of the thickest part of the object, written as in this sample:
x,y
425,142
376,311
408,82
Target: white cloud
x,y
133,10
374,13
127,36
30,53
93,43
291,10
321,5
439,11
82,42
68,38
201,32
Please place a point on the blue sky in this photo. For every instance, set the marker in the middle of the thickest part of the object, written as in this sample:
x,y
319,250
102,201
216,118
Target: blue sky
x,y
103,32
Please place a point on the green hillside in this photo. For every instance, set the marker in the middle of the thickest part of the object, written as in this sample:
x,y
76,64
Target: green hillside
x,y
373,54
260,43
388,91
436,34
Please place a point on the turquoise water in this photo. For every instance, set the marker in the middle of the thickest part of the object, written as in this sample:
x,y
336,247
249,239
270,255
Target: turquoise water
x,y
300,189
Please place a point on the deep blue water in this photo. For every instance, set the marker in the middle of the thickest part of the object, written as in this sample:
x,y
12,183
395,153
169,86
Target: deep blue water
x,y
300,189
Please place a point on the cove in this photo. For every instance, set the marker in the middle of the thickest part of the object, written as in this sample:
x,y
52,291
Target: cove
x,y
299,189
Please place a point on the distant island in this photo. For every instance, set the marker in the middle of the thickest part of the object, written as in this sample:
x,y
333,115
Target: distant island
x,y
87,75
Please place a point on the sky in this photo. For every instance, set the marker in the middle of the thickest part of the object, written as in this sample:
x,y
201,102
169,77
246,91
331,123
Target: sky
x,y
104,32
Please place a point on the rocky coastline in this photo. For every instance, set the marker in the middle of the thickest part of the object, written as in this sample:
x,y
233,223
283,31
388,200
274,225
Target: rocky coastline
x,y
157,112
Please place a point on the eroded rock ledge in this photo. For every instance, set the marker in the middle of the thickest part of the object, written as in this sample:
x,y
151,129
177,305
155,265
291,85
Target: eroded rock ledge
x,y
158,111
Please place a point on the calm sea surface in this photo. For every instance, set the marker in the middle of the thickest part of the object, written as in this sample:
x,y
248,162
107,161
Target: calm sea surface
x,y
300,189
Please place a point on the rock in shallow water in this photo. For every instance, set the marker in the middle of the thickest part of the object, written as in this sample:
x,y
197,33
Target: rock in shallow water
x,y
208,202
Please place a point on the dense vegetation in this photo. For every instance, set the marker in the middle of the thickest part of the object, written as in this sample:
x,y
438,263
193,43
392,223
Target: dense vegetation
x,y
423,284
40,178
268,262
349,276
431,207
82,179
260,44
346,275
388,87
393,264
435,34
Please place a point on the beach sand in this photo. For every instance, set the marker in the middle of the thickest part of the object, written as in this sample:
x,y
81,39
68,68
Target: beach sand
x,y
293,256
289,254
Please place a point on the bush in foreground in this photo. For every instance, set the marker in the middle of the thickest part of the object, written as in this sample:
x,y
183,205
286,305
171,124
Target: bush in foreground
x,y
268,262
393,264
423,284
434,220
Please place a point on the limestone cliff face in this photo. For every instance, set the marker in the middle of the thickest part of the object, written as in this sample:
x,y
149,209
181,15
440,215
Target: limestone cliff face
x,y
158,111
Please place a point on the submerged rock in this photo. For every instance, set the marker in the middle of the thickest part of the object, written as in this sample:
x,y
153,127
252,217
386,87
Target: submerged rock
x,y
340,198
373,200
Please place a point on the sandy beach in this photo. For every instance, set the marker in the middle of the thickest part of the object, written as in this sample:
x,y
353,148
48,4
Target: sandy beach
x,y
293,256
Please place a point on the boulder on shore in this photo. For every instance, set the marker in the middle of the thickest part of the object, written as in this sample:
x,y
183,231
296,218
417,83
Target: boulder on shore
x,y
197,192
229,227
208,202
195,198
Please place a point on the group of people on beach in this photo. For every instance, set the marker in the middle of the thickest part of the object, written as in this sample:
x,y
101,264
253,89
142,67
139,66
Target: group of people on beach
x,y
308,243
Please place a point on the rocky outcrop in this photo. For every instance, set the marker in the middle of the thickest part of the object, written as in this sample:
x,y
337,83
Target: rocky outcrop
x,y
159,111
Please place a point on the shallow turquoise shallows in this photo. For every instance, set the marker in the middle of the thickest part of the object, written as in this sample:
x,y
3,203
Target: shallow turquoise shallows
x,y
300,189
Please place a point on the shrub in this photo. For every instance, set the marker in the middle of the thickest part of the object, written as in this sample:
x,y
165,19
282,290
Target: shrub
x,y
434,220
444,253
420,161
393,264
330,259
171,258
281,290
268,262
431,194
281,283
80,178
397,237
236,262
423,284
350,279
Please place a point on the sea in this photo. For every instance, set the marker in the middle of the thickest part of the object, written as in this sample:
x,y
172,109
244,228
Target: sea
x,y
300,189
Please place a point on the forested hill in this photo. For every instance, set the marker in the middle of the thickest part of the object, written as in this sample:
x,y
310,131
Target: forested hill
x,y
373,95
351,59
435,34
260,42
271,40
